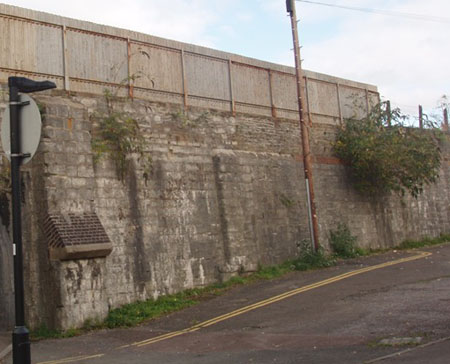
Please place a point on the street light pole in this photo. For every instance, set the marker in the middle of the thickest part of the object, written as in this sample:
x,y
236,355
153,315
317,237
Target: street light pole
x,y
307,163
20,336
20,339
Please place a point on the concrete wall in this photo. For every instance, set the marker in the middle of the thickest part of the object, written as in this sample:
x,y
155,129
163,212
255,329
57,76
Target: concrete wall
x,y
226,192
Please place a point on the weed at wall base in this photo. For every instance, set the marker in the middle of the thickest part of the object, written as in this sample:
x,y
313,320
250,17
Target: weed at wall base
x,y
427,241
43,332
139,312
309,259
343,243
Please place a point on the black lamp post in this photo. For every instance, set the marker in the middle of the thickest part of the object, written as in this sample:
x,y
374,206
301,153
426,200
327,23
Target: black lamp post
x,y
20,336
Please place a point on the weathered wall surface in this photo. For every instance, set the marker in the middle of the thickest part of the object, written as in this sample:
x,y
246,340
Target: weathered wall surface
x,y
212,207
386,221
226,192
6,281
6,253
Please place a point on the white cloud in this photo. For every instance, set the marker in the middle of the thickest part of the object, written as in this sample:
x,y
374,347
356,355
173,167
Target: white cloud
x,y
176,19
407,59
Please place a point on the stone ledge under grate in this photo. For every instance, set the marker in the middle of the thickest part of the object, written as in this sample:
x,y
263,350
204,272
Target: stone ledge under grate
x,y
73,236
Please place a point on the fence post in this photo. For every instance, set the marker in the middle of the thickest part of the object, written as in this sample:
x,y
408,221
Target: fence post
x,y
274,110
389,112
338,93
445,124
367,102
308,104
233,103
65,60
185,87
129,74
420,117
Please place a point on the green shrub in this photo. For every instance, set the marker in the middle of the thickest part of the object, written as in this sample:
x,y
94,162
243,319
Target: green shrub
x,y
309,259
384,154
343,242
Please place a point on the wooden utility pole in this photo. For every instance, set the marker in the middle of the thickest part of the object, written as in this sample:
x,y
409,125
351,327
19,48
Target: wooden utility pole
x,y
307,164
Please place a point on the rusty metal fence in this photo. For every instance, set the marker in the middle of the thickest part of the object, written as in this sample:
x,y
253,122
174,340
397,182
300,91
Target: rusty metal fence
x,y
83,58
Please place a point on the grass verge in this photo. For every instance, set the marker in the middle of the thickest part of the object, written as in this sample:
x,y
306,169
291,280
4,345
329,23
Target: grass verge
x,y
43,332
136,313
415,244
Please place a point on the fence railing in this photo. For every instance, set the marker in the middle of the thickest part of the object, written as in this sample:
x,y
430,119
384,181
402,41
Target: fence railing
x,y
81,59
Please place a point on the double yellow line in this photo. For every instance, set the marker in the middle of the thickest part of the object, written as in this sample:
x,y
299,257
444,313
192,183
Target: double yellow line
x,y
249,308
274,299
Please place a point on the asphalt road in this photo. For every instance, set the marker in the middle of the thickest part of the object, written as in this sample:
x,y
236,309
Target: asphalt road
x,y
375,309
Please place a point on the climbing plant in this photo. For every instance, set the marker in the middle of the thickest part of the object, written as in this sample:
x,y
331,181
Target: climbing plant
x,y
5,175
384,154
118,136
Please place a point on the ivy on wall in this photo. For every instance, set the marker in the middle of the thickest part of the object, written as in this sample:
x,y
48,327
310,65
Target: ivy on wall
x,y
384,155
118,137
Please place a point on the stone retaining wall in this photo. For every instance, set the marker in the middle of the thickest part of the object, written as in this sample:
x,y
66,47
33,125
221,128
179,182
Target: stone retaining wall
x,y
225,195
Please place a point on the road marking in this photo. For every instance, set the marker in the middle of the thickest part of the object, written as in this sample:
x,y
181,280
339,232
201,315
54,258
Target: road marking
x,y
277,298
249,308
72,359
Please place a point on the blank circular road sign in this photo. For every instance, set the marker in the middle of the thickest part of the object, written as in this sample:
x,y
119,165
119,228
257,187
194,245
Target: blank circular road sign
x,y
30,129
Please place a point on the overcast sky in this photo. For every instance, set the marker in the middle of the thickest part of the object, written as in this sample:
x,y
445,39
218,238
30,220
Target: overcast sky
x,y
407,59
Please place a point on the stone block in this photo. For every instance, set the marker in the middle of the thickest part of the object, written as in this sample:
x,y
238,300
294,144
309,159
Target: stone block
x,y
85,171
54,168
63,135
78,182
71,171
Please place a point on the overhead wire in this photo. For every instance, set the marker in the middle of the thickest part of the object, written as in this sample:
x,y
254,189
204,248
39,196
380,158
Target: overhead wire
x,y
412,16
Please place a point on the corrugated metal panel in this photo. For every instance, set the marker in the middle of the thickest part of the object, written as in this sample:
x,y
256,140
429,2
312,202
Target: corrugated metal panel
x,y
100,57
49,50
209,103
322,98
207,77
255,109
38,77
374,99
156,68
250,85
284,91
353,102
30,47
323,119
97,88
152,95
97,58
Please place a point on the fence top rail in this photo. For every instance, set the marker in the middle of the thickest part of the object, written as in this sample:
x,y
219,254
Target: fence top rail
x,y
46,19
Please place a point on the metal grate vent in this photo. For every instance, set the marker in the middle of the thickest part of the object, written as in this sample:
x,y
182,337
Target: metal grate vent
x,y
72,236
